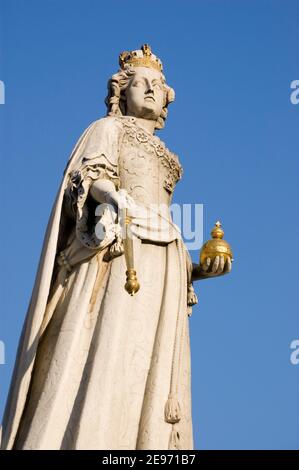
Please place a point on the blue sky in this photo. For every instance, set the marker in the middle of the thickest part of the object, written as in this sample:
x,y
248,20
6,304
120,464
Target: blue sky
x,y
236,132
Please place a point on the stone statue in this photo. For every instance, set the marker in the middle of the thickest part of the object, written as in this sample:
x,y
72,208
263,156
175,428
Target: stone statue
x,y
97,368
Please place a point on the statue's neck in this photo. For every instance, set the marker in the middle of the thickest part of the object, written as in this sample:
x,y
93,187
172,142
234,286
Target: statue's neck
x,y
146,124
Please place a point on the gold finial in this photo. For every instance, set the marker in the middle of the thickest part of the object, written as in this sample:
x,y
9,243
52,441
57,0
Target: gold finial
x,y
217,231
132,285
140,58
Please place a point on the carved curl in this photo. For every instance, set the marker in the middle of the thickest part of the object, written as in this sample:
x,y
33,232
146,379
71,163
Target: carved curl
x,y
116,101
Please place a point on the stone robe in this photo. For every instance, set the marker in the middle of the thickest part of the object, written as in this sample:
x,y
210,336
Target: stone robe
x,y
97,368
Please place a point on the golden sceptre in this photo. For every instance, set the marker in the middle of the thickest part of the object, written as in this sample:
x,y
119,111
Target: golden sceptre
x,y
132,285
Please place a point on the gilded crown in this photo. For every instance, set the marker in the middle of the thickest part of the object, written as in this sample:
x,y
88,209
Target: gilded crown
x,y
140,58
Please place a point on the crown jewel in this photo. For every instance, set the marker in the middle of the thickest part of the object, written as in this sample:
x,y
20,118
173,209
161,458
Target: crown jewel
x,y
140,58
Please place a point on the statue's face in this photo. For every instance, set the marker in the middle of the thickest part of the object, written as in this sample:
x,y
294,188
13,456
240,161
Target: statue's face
x,y
145,95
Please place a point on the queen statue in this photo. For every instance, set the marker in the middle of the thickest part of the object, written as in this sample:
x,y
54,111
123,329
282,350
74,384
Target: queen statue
x,y
98,368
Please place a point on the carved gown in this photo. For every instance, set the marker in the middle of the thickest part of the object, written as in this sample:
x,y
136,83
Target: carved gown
x,y
109,371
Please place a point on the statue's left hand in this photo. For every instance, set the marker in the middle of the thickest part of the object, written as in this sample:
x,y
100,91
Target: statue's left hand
x,y
211,268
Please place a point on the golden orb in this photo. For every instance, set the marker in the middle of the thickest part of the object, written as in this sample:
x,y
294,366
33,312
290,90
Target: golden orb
x,y
216,246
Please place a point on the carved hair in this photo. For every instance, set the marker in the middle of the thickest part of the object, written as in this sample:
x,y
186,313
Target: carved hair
x,y
116,100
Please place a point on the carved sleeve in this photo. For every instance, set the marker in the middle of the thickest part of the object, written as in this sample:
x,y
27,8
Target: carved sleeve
x,y
99,160
81,179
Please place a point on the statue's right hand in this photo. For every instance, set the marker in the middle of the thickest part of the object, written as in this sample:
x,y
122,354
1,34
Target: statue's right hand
x,y
125,201
113,198
103,191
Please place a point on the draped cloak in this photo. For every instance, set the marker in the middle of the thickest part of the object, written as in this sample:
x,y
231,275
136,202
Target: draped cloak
x,y
96,368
